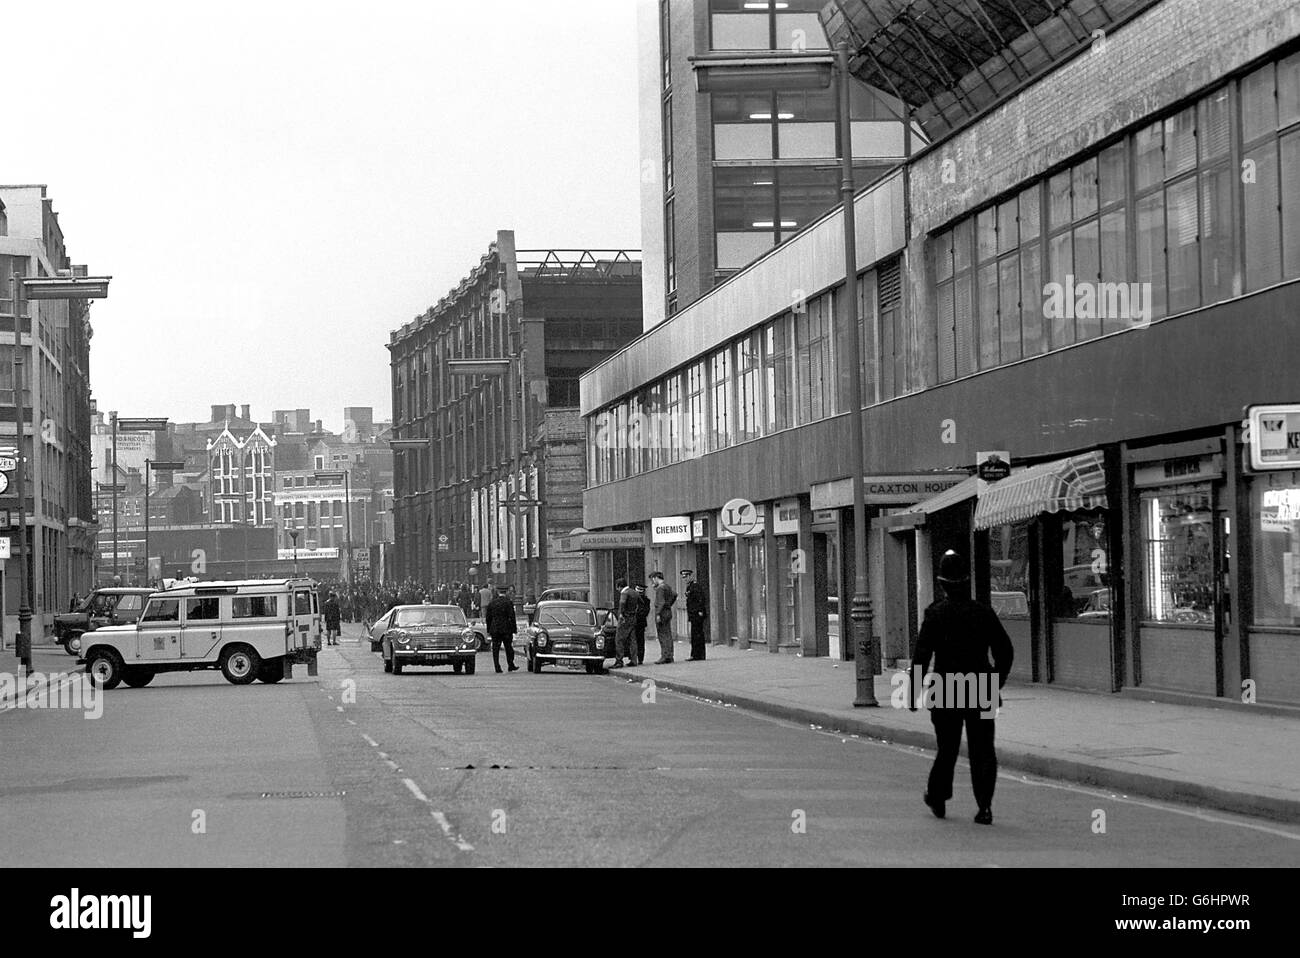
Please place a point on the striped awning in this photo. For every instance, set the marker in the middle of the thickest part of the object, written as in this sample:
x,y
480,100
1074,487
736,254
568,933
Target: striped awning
x,y
1066,485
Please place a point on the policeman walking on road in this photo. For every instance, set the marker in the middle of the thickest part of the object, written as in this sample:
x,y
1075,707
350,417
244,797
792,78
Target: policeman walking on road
x,y
500,620
960,634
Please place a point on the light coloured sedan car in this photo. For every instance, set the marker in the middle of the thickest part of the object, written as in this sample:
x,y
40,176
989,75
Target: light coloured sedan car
x,y
426,635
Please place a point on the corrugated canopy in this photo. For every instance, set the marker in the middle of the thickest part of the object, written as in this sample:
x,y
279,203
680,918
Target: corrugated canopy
x,y
1066,485
949,60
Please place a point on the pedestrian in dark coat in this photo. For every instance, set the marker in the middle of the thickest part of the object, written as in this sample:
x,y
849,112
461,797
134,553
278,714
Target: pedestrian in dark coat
x,y
642,618
697,610
960,634
500,620
464,601
664,597
332,616
625,634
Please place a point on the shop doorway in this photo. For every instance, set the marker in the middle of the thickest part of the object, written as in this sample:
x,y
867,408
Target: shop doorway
x,y
1180,589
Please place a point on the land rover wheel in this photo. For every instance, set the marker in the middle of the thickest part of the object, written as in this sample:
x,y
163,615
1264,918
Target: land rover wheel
x,y
240,664
105,668
137,677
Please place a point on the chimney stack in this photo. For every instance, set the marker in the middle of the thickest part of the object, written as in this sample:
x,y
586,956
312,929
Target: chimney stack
x,y
243,412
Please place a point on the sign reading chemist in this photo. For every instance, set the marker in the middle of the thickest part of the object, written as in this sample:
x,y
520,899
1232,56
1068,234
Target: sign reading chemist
x,y
670,529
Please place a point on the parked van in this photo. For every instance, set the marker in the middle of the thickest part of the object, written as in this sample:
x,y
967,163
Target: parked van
x,y
249,630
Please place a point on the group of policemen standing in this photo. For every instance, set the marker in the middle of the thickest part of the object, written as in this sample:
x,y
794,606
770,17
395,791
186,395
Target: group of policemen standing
x,y
634,609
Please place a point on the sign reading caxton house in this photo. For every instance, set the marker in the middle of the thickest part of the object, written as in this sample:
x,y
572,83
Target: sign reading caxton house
x,y
898,490
670,529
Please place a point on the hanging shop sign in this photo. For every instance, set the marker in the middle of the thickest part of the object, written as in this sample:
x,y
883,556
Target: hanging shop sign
x,y
1273,436
594,541
697,530
992,466
670,529
740,517
786,520
1173,472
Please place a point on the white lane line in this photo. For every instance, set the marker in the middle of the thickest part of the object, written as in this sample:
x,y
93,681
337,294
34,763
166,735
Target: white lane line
x,y
338,708
370,741
415,790
350,722
393,765
439,817
383,755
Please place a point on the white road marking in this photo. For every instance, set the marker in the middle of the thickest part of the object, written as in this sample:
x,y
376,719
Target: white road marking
x,y
350,722
393,765
339,708
415,790
370,741
439,817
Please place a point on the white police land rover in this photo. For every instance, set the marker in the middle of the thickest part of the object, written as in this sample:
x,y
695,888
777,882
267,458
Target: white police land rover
x,y
250,630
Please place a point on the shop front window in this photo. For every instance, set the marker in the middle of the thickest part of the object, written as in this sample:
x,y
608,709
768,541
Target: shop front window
x,y
1084,591
1177,536
1275,515
1009,570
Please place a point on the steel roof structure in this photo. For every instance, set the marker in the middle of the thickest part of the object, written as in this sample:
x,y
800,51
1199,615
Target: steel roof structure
x,y
951,60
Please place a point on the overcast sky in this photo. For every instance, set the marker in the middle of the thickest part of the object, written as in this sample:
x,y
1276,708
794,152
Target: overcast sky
x,y
275,186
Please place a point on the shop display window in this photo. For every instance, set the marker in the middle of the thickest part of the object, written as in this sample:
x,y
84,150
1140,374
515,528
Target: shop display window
x,y
1177,550
1080,587
1009,570
1275,517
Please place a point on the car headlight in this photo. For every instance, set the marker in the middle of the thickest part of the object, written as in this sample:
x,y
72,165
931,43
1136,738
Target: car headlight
x,y
75,644
543,638
400,637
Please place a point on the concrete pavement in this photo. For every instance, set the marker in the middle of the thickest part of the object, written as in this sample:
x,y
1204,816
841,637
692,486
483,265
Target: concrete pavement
x,y
1230,759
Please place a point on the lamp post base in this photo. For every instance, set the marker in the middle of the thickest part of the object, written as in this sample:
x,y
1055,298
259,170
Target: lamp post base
x,y
864,659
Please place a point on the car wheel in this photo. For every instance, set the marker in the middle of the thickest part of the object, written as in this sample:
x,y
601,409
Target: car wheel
x,y
138,678
455,668
388,665
105,668
469,666
240,664
537,666
397,666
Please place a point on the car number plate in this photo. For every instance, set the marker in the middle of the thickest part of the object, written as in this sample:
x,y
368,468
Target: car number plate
x,y
571,663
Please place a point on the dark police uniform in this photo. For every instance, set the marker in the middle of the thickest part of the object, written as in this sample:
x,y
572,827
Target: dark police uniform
x,y
960,634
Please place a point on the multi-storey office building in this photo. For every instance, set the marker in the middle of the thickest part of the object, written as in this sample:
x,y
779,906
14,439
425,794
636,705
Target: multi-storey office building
x,y
489,375
739,173
55,412
1095,267
241,477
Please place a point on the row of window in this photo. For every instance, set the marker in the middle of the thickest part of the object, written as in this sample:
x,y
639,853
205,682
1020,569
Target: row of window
x,y
208,609
786,373
1189,210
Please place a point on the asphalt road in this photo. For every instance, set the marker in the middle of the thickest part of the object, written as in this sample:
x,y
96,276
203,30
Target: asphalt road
x,y
358,767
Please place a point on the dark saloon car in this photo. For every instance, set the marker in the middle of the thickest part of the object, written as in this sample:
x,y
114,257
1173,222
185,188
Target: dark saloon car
x,y
568,633
426,635
116,606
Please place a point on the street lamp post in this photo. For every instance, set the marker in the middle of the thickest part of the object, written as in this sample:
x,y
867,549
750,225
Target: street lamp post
x,y
61,288
724,73
335,476
154,425
293,537
418,444
157,466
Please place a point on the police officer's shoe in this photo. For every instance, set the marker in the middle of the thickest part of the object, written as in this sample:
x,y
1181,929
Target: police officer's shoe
x,y
936,807
984,816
